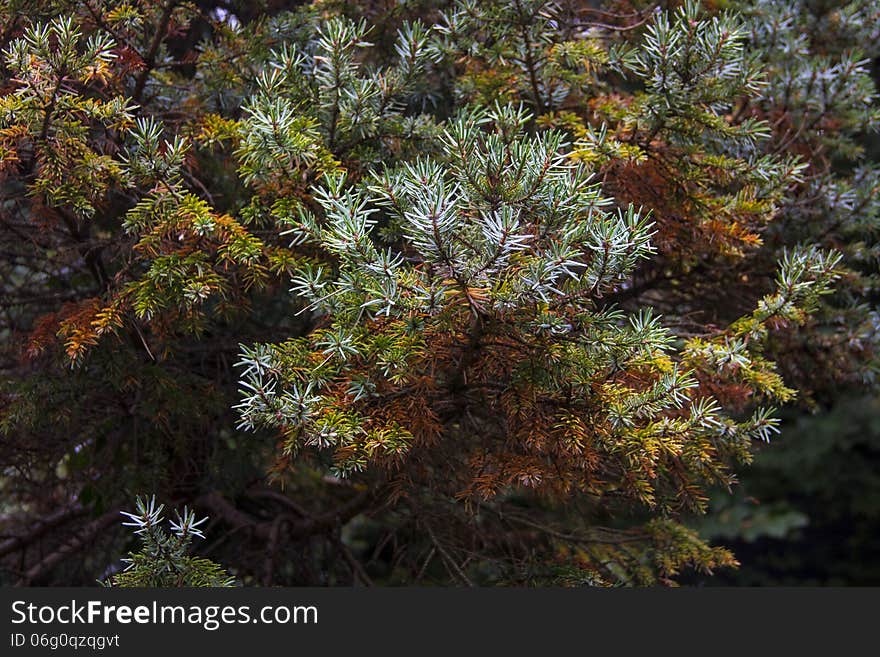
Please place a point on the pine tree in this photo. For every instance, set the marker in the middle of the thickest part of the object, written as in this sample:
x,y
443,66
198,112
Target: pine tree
x,y
497,292
814,485
163,560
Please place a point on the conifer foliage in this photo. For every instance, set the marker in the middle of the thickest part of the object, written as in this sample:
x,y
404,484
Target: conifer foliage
x,y
163,560
420,292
